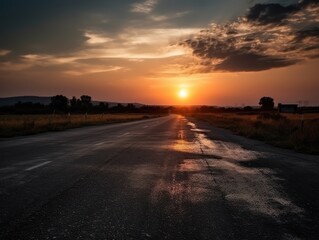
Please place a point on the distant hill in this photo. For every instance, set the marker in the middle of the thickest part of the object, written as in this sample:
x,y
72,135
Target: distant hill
x,y
112,104
10,101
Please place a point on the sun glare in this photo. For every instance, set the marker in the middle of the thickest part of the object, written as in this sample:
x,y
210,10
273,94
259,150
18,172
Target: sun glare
x,y
183,93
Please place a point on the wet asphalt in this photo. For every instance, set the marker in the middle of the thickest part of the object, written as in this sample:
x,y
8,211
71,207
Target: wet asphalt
x,y
164,178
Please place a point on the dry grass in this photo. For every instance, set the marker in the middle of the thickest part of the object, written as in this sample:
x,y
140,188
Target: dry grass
x,y
284,131
14,125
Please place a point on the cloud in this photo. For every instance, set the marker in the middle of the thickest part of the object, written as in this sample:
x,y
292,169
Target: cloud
x,y
160,18
305,3
59,32
270,13
94,38
275,13
72,65
56,27
252,62
131,45
269,36
4,52
144,7
308,33
83,69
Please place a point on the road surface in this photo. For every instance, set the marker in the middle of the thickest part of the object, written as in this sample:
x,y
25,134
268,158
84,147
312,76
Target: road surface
x,y
164,178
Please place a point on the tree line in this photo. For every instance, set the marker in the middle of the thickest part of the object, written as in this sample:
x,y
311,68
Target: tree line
x,y
60,104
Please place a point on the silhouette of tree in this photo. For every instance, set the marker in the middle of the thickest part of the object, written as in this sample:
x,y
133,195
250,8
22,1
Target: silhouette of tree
x,y
248,108
130,107
73,102
59,102
267,103
103,106
86,101
29,108
118,108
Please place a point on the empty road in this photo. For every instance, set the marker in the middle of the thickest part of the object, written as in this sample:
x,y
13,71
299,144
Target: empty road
x,y
164,178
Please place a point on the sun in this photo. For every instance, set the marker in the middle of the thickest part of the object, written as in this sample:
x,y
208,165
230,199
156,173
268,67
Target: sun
x,y
183,93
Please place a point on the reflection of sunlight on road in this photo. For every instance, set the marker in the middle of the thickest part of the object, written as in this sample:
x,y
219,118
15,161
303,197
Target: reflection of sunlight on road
x,y
196,169
191,165
204,146
228,150
241,184
182,145
181,134
188,183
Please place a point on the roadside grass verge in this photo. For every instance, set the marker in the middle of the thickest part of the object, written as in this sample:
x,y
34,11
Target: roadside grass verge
x,y
285,130
16,125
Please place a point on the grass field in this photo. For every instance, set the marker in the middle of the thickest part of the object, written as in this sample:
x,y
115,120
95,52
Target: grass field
x,y
14,125
285,130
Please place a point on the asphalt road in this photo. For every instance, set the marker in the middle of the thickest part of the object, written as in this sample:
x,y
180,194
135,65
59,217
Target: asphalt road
x,y
164,178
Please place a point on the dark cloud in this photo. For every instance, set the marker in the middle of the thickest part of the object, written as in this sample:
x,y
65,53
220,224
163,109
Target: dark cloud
x,y
270,13
302,34
269,36
229,57
305,3
309,38
252,62
275,13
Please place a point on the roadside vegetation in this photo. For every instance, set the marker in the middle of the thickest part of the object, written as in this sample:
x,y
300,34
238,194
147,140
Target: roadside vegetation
x,y
293,131
15,125
26,118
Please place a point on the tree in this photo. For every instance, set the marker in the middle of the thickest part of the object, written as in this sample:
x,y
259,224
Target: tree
x,y
103,106
267,103
86,101
73,102
130,107
59,102
248,108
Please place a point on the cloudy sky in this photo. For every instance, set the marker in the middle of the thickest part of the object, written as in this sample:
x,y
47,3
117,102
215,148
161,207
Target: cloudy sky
x,y
222,52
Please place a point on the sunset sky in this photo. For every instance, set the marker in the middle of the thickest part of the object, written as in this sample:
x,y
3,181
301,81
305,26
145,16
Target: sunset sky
x,y
219,52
